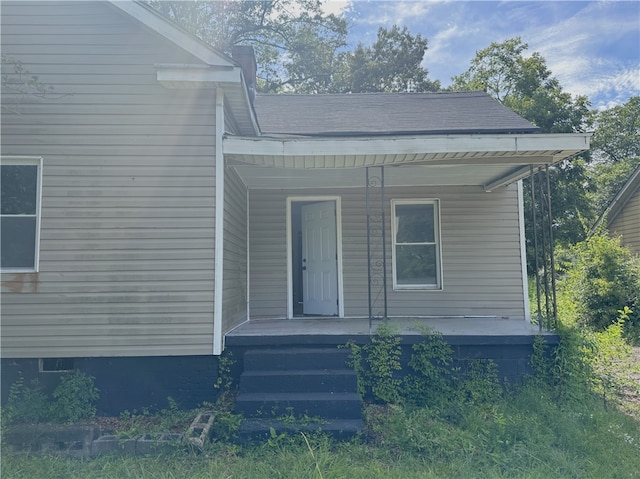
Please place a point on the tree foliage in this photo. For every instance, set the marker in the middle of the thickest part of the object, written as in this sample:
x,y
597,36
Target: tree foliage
x,y
293,39
616,149
525,84
391,64
299,48
604,279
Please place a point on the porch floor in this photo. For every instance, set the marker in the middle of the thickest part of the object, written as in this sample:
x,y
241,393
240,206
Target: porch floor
x,y
468,330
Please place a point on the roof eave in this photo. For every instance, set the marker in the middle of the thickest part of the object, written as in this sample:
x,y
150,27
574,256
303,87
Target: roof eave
x,y
556,146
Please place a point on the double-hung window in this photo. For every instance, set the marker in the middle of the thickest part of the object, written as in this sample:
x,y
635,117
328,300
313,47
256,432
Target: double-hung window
x,y
416,244
20,186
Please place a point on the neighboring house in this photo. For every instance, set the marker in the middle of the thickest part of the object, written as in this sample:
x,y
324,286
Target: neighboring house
x,y
622,216
150,205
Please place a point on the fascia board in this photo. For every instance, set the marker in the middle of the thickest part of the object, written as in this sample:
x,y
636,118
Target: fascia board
x,y
194,73
558,143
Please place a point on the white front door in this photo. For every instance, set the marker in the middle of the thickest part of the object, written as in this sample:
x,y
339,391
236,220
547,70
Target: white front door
x,y
319,259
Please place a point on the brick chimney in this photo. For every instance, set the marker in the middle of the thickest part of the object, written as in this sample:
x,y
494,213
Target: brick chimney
x,y
245,56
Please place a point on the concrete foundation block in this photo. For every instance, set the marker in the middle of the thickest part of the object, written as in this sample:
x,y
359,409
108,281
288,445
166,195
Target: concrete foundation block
x,y
200,430
158,443
112,444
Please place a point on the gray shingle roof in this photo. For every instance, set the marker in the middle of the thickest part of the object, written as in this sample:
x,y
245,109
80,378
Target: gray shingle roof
x,y
386,114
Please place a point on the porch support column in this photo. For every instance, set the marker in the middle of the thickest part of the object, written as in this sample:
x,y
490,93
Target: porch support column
x,y
554,300
532,179
544,247
376,244
218,340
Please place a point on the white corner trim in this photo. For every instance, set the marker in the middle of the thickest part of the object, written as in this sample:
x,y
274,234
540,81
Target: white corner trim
x,y
248,257
289,243
218,339
164,27
523,253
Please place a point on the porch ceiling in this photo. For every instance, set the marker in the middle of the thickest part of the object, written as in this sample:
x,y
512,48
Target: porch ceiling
x,y
490,161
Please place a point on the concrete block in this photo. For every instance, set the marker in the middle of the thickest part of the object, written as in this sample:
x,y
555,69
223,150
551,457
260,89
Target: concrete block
x,y
158,443
200,430
71,440
112,444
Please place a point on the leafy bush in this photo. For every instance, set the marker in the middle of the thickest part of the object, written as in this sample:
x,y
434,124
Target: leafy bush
x,y
376,365
73,400
28,404
432,381
603,279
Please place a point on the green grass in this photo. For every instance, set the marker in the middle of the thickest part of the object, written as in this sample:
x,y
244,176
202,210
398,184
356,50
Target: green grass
x,y
526,435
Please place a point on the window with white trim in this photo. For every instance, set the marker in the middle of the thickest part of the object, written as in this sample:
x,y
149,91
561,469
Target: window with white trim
x,y
20,186
416,244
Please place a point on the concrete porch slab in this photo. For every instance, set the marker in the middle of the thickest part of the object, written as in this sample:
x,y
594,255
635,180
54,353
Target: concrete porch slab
x,y
461,330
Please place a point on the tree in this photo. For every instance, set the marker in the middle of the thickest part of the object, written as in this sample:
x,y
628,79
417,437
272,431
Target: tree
x,y
524,84
617,136
616,150
294,40
300,49
391,64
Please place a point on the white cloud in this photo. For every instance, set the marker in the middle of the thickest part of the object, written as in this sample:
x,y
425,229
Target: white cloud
x,y
388,13
591,47
336,7
580,51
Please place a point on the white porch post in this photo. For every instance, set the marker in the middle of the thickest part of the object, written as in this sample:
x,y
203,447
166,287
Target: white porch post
x,y
218,340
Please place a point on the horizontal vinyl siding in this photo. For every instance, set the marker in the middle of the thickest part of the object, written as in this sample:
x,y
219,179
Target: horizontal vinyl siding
x,y
627,224
234,304
480,253
127,239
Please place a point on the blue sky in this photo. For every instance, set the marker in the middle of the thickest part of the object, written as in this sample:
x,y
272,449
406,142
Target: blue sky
x,y
593,48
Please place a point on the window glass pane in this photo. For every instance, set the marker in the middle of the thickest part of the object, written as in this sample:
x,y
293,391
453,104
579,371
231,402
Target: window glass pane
x,y
415,223
17,242
416,264
18,189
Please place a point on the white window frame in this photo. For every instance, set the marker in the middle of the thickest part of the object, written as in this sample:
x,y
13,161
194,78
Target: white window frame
x,y
438,243
29,161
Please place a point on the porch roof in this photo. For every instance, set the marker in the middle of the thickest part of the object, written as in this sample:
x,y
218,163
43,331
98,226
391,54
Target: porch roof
x,y
386,114
488,160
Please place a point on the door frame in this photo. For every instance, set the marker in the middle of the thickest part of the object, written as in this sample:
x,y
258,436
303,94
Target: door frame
x,y
338,205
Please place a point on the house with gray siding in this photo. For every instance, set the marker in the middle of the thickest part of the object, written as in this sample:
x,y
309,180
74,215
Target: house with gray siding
x,y
622,216
156,211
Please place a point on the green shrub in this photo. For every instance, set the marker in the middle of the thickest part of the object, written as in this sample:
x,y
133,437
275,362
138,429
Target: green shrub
x,y
603,279
26,404
432,381
376,365
75,398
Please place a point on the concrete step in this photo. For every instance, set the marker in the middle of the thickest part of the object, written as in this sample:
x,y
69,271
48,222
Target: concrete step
x,y
317,404
295,358
261,429
325,380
